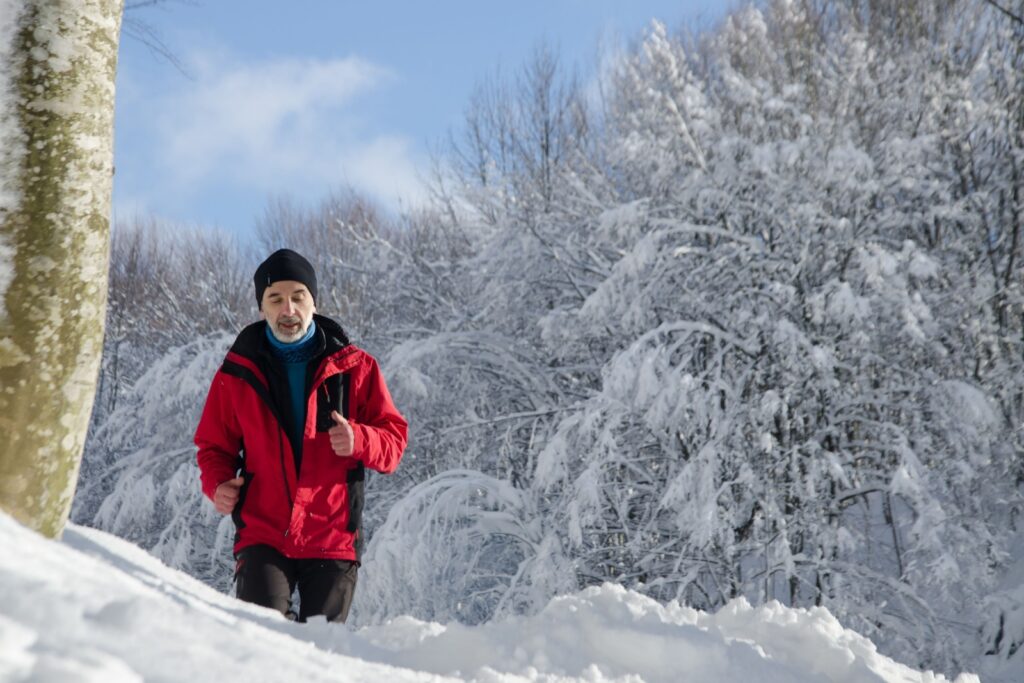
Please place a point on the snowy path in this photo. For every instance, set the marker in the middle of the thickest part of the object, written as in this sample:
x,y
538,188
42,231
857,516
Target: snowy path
x,y
96,608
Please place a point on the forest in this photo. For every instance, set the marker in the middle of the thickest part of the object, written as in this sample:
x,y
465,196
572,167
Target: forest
x,y
735,313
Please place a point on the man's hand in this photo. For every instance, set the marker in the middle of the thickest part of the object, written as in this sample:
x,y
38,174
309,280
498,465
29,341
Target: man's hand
x,y
342,438
226,496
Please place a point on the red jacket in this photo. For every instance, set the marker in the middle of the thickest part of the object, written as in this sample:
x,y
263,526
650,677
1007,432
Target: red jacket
x,y
300,498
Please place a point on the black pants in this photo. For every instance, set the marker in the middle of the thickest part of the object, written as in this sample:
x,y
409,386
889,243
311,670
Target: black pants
x,y
268,578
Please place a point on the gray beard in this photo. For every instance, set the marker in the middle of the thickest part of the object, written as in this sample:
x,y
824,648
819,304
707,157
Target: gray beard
x,y
289,339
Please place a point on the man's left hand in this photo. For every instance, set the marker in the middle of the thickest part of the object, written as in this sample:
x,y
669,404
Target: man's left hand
x,y
342,438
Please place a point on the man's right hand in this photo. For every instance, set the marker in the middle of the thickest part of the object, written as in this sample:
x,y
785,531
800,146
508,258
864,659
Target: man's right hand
x,y
225,498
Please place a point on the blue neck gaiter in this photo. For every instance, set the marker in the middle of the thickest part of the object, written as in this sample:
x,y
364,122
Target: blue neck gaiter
x,y
295,356
299,351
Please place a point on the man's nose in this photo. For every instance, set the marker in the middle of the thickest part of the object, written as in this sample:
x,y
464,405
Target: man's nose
x,y
289,307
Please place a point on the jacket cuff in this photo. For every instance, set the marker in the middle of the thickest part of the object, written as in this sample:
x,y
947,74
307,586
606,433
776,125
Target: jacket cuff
x,y
212,480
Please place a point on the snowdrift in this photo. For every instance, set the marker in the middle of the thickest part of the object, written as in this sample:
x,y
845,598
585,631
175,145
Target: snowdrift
x,y
96,608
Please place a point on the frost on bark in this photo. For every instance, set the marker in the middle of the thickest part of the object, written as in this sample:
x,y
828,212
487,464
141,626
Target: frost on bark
x,y
56,167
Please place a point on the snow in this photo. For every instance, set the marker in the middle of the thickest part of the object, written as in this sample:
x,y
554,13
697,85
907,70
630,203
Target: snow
x,y
97,608
751,348
1003,634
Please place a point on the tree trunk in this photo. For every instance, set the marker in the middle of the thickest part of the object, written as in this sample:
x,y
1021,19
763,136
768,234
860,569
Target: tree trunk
x,y
56,172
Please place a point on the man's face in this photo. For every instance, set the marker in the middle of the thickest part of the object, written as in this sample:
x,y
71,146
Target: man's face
x,y
288,308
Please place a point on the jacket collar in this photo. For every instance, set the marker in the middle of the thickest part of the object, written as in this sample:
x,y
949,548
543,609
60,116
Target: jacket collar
x,y
252,340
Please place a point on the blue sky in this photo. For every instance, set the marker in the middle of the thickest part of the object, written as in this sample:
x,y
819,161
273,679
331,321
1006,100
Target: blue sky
x,y
300,98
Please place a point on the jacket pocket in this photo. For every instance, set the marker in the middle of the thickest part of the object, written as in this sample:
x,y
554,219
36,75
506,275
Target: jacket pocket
x,y
332,394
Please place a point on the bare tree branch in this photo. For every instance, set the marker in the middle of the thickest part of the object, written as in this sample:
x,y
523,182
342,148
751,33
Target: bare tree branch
x,y
1016,17
148,35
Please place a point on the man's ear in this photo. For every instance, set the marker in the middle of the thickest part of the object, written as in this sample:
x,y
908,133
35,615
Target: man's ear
x,y
263,316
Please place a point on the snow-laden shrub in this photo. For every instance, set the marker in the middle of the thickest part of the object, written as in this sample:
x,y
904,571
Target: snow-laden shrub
x,y
139,475
461,546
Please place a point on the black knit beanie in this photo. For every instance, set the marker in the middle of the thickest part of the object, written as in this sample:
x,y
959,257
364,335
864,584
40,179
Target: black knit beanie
x,y
284,264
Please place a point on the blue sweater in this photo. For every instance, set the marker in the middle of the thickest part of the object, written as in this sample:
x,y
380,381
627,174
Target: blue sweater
x,y
295,356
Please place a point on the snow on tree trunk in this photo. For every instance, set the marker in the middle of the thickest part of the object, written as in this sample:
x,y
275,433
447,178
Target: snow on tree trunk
x,y
56,167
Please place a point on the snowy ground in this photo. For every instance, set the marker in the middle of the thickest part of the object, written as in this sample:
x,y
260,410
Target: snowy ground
x,y
96,608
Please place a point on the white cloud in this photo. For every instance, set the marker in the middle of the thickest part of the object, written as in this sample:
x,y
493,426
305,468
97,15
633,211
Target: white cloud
x,y
284,126
383,167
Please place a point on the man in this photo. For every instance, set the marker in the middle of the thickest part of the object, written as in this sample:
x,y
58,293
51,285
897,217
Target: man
x,y
293,417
